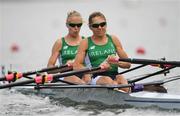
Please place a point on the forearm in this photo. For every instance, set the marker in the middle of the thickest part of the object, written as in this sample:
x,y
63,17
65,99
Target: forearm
x,y
50,64
124,65
52,61
77,66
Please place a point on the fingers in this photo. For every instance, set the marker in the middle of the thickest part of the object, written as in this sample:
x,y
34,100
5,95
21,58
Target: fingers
x,y
70,63
105,65
113,59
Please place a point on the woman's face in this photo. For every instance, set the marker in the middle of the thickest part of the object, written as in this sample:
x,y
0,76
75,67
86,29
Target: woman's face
x,y
74,24
98,26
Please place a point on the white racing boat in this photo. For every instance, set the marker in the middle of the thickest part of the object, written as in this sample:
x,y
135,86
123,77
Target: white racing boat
x,y
106,94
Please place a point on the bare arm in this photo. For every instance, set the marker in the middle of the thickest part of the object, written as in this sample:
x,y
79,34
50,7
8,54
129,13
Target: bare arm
x,y
79,59
81,54
121,53
55,53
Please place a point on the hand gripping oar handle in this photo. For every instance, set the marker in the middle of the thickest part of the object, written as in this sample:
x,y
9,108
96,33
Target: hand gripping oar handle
x,y
11,76
49,77
149,61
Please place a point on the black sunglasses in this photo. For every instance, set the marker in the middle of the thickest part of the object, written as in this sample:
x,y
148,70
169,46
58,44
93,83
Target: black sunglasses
x,y
75,24
97,25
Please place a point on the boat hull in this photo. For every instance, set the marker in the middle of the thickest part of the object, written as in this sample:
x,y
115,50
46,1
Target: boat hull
x,y
110,97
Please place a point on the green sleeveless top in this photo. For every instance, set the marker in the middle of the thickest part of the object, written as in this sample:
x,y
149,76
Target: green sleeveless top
x,y
67,52
98,53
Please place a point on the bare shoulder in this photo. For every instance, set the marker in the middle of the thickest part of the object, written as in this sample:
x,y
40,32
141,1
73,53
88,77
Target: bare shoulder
x,y
57,45
58,41
84,42
115,38
116,41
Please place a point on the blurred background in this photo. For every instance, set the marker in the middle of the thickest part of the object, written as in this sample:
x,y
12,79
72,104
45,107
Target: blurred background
x,y
29,28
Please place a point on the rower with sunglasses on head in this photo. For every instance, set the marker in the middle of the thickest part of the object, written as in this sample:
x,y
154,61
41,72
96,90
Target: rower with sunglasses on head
x,y
102,50
65,48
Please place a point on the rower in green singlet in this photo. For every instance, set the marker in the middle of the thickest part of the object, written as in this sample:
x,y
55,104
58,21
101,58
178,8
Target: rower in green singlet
x,y
65,48
98,54
103,50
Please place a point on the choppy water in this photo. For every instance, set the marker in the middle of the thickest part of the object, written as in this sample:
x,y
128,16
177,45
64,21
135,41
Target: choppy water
x,y
13,103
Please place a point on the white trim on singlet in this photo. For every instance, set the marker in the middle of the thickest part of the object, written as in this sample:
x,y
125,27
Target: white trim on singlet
x,y
87,61
60,63
60,60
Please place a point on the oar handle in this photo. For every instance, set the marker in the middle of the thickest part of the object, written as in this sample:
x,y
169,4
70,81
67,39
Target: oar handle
x,y
16,84
44,70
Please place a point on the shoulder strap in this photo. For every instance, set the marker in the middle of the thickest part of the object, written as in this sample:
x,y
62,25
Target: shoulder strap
x,y
63,41
89,41
110,38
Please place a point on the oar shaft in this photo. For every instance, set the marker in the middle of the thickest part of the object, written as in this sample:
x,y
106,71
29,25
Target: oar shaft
x,y
59,86
84,86
171,79
44,70
16,84
150,75
82,71
149,61
143,65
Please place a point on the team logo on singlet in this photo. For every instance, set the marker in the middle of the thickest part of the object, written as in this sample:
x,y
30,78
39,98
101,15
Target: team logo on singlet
x,y
103,52
92,47
65,47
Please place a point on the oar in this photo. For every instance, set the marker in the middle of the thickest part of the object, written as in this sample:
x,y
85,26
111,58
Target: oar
x,y
138,67
14,76
138,86
90,86
150,61
134,68
60,70
169,79
49,77
152,74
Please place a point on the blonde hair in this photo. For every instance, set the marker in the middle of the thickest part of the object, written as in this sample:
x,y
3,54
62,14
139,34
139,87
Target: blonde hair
x,y
73,13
